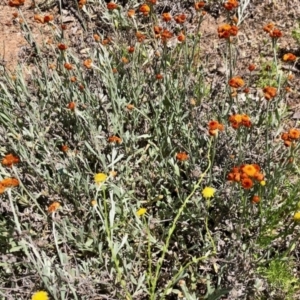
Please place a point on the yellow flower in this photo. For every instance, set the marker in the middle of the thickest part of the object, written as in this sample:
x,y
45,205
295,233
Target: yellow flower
x,y
263,183
40,295
208,192
94,203
100,177
141,212
297,216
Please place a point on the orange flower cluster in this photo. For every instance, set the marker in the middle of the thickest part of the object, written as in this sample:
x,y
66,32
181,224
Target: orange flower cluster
x,y
236,82
8,183
289,57
272,30
240,120
182,156
231,4
289,137
114,139
214,127
164,34
225,31
269,92
10,160
43,19
246,174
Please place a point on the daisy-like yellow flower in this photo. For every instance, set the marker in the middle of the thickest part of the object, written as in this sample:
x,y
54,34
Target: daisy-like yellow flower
x,y
100,177
141,212
208,192
40,295
297,216
262,183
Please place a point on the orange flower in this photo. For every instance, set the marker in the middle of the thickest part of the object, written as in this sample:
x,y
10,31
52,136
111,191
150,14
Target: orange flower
x,y
294,133
166,17
114,139
9,160
145,9
250,170
64,148
68,66
230,176
199,5
2,189
268,27
130,49
131,13
259,176
276,33
287,143
96,37
231,4
246,90
159,76
73,79
53,207
125,60
48,18
9,182
63,27
212,125
106,41
157,29
269,92
251,67
71,106
180,19
38,19
62,47
81,3
285,136
225,31
181,37
182,156
130,106
255,199
111,6
236,82
247,183
16,3
289,57
165,35
88,63
140,37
